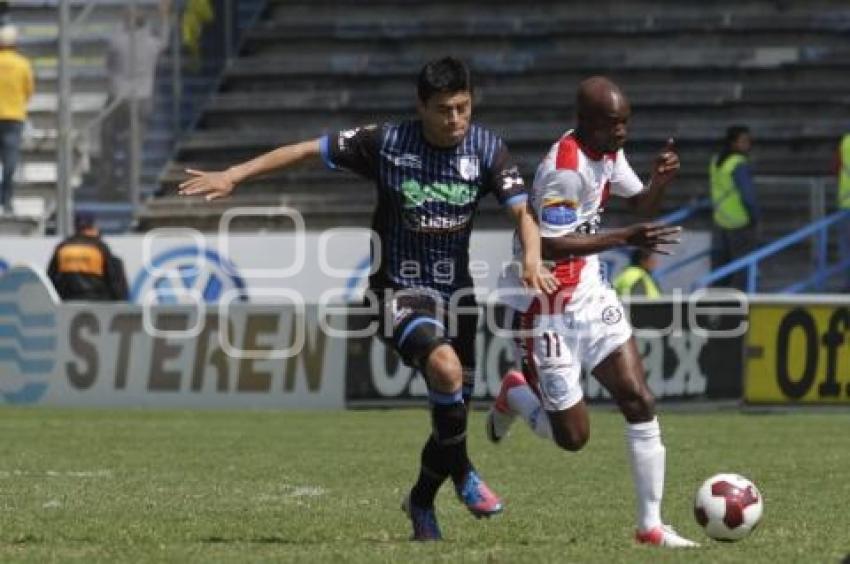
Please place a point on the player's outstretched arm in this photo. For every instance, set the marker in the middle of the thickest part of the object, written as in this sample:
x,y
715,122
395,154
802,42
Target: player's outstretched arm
x,y
648,236
664,170
219,184
534,274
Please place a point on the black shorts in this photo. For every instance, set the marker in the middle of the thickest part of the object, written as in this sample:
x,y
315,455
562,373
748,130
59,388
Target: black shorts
x,y
415,322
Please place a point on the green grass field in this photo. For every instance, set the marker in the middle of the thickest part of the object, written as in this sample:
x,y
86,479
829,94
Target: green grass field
x,y
174,486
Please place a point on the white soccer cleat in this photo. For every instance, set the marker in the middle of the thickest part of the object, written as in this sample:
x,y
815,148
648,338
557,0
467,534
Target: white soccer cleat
x,y
664,535
500,417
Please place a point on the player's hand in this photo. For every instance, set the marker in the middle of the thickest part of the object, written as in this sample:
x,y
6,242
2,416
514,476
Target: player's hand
x,y
539,278
211,185
666,164
650,235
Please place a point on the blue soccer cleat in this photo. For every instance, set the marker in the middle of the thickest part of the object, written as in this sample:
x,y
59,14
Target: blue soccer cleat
x,y
478,498
424,521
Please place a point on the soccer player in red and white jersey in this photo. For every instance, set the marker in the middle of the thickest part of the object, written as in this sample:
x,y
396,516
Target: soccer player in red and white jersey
x,y
583,324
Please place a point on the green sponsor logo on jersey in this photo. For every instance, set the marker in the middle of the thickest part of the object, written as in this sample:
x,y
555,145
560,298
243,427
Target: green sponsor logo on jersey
x,y
416,194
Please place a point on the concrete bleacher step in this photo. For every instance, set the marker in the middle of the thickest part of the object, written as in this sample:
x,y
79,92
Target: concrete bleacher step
x,y
692,173
776,144
519,61
163,206
515,95
44,141
41,11
551,34
91,45
417,10
89,78
255,112
560,20
251,76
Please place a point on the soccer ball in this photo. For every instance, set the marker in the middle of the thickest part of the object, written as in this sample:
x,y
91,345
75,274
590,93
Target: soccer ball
x,y
728,507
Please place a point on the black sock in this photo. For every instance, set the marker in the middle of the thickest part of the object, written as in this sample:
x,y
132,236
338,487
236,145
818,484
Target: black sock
x,y
448,418
431,476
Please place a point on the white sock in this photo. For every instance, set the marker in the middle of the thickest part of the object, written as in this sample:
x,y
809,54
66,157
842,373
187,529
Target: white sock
x,y
523,401
647,456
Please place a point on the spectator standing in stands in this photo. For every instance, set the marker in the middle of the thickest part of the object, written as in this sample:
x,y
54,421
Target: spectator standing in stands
x,y
736,213
636,279
842,169
16,89
131,60
84,268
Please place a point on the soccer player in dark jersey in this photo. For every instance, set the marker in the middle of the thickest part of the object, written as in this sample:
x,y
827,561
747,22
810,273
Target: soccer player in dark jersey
x,y
430,174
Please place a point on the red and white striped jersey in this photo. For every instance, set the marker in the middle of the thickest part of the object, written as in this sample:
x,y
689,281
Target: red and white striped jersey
x,y
569,193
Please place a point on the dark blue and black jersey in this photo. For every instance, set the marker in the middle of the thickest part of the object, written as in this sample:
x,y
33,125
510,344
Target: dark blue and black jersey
x,y
427,197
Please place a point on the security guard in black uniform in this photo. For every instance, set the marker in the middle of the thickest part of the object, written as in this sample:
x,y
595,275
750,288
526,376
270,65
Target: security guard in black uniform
x,y
84,268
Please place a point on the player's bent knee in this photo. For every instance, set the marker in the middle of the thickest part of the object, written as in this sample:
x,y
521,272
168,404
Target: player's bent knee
x,y
570,440
570,430
444,370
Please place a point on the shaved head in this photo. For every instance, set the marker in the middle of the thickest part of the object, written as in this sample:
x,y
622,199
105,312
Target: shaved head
x,y
598,94
603,112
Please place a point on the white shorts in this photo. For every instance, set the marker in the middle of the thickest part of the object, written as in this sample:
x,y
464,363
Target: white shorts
x,y
564,343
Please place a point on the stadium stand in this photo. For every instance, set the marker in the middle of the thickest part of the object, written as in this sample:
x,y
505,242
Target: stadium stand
x,y
690,69
307,67
37,20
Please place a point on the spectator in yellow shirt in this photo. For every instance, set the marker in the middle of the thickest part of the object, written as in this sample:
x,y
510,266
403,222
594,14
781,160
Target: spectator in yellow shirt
x,y
16,88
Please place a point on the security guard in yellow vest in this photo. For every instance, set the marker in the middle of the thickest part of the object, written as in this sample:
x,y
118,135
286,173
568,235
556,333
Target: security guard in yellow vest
x,y
736,213
636,279
843,230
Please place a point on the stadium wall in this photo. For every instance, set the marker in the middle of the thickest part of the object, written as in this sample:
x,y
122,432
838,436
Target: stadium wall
x,y
243,355
174,265
202,327
691,350
96,354
240,354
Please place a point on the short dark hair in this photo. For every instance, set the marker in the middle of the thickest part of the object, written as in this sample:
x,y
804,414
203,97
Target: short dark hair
x,y
84,220
639,255
443,76
733,132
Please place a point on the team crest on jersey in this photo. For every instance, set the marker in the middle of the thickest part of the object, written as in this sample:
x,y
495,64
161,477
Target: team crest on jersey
x,y
612,315
468,167
558,211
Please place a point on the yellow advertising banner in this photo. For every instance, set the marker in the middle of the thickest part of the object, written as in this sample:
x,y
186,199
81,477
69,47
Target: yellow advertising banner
x,y
798,354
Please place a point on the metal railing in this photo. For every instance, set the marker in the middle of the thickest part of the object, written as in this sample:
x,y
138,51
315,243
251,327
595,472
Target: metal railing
x,y
823,270
77,18
815,188
687,211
